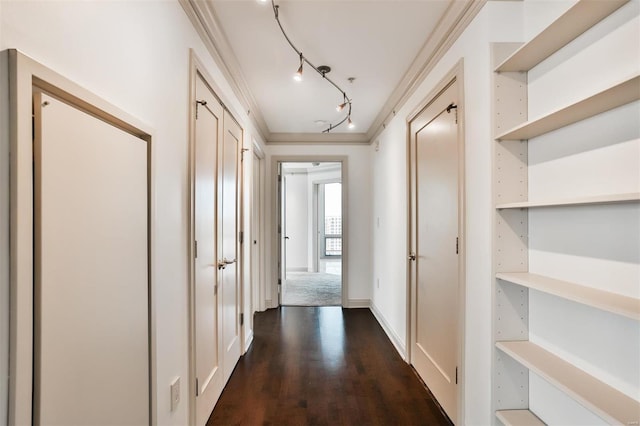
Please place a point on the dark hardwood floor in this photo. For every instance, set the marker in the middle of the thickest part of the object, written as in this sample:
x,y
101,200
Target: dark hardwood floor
x,y
323,366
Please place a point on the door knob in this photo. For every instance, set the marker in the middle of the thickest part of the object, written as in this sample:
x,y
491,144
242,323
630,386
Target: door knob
x,y
412,256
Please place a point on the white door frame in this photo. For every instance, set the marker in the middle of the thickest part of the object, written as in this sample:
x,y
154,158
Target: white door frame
x,y
257,231
456,74
275,237
25,75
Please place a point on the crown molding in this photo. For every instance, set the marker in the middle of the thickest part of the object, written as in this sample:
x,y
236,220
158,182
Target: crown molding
x,y
318,139
455,20
206,24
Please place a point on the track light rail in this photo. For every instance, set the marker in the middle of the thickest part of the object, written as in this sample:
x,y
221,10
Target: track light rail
x,y
303,59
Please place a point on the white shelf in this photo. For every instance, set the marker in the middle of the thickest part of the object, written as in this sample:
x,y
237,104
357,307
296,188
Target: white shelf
x,y
613,97
612,405
600,299
629,197
578,19
518,418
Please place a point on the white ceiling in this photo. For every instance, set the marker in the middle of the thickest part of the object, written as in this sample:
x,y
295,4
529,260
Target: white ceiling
x,y
384,44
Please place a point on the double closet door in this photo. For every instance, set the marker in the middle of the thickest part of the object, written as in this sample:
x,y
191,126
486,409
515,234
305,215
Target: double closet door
x,y
216,309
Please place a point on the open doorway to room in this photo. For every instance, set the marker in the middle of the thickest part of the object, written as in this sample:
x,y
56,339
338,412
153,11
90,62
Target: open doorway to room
x,y
311,237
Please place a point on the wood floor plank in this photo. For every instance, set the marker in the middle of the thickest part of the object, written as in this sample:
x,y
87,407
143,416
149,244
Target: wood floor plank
x,y
323,366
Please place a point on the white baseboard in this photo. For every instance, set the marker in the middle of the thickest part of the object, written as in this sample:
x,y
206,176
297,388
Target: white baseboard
x,y
397,342
358,303
248,341
298,269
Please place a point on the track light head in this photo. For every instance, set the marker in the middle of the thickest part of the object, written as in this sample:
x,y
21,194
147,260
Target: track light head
x,y
298,75
341,106
350,123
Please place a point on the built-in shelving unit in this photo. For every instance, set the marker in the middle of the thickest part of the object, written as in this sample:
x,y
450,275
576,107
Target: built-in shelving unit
x,y
515,356
519,418
630,197
604,300
575,21
610,404
620,94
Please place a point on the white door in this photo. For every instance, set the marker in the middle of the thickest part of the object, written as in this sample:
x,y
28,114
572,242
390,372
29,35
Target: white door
x,y
91,290
434,352
228,254
208,350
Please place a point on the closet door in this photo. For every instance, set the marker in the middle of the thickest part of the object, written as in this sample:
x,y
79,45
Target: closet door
x,y
208,347
91,313
228,203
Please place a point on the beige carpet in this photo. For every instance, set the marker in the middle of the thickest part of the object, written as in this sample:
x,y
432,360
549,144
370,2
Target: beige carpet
x,y
312,289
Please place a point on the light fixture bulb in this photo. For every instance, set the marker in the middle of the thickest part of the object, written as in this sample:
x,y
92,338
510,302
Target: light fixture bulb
x,y
350,123
341,107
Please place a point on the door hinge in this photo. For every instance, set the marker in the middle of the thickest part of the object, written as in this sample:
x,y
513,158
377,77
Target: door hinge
x,y
197,387
195,249
279,281
198,103
456,245
279,229
241,237
279,178
215,290
242,319
456,375
453,106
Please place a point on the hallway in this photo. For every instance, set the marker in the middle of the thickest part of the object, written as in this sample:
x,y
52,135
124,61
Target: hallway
x,y
323,366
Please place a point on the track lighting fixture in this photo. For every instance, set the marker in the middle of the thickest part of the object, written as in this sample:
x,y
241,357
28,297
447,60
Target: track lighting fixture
x,y
340,107
322,70
298,75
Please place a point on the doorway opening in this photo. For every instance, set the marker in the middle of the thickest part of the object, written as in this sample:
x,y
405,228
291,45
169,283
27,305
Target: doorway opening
x,y
311,217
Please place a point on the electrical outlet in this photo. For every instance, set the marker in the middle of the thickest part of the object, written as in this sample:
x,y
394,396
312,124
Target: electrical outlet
x,y
175,394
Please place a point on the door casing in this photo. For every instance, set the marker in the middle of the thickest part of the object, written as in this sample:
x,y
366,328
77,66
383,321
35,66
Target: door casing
x,y
27,76
454,75
276,248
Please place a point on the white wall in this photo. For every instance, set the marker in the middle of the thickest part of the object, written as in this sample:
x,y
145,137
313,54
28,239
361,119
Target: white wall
x,y
297,220
498,21
358,172
136,56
